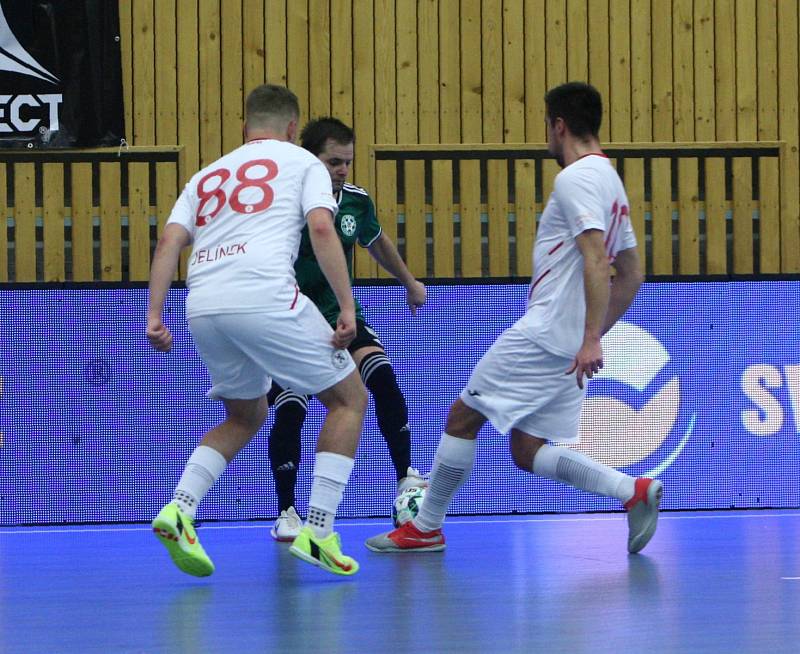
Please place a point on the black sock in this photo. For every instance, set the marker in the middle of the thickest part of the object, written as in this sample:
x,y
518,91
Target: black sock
x,y
284,444
390,408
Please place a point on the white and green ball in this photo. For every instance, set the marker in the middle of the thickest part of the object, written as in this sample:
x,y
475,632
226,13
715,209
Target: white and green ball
x,y
406,505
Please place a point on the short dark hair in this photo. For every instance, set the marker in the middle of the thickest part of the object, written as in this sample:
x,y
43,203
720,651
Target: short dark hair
x,y
317,132
269,103
579,105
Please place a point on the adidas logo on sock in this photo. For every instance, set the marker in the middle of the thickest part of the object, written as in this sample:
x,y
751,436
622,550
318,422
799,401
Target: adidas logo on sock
x,y
286,467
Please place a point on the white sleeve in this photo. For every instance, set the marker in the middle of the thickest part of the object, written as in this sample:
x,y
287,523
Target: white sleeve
x,y
578,198
183,213
317,190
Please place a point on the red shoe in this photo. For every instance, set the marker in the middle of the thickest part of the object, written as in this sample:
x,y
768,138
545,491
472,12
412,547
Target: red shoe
x,y
643,512
407,538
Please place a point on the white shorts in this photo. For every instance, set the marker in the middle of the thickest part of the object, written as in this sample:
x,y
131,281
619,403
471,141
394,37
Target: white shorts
x,y
519,385
244,352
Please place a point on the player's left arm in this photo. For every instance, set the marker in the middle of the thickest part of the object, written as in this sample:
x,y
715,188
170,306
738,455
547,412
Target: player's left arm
x,y
596,272
387,256
626,283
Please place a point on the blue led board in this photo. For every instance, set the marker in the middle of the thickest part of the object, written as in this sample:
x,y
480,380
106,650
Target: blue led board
x,y
701,388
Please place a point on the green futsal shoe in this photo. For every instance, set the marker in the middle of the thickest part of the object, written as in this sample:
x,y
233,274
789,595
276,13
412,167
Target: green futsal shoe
x,y
174,529
325,553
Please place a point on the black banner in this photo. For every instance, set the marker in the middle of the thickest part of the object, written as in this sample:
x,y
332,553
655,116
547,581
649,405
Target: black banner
x,y
60,74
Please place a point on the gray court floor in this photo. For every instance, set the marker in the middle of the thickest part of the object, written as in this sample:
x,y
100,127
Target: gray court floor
x,y
708,582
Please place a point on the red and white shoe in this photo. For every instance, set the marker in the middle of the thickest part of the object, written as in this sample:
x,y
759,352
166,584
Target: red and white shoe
x,y
407,538
643,512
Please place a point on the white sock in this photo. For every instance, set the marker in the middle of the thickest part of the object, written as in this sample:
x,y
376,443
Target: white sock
x,y
578,470
452,466
202,469
331,472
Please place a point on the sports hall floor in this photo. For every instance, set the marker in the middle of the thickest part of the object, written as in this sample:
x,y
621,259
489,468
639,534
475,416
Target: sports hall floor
x,y
708,582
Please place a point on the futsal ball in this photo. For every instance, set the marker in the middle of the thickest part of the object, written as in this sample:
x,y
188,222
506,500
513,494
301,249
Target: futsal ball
x,y
406,505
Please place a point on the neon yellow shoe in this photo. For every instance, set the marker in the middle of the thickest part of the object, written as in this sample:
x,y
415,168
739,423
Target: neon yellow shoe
x,y
325,553
174,529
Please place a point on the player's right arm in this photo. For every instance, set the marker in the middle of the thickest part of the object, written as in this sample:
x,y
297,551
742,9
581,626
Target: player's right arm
x,y
330,256
596,269
625,285
165,262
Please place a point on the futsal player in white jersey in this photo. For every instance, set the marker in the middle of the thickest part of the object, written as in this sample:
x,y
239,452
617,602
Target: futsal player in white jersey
x,y
243,216
531,382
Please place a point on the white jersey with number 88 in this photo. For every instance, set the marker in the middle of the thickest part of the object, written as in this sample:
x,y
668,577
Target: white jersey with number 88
x,y
245,213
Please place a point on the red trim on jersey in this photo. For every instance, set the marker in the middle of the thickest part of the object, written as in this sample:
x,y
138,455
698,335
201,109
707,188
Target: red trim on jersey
x,y
615,210
592,154
540,278
554,248
296,295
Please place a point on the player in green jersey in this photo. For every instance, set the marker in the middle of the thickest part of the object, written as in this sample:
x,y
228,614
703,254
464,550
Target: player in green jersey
x,y
332,142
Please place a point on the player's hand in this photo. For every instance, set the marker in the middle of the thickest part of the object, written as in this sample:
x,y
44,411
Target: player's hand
x,y
345,329
416,294
159,335
587,362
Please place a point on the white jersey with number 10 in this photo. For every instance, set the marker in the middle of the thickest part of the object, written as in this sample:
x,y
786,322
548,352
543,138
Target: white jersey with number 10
x,y
245,213
587,194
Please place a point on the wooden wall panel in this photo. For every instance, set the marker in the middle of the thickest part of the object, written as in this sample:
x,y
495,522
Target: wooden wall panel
x,y
599,49
385,113
188,91
513,74
683,70
619,96
210,54
296,55
82,223
715,218
254,68
165,75
725,73
364,118
578,38
428,70
4,249
319,58
25,223
231,66
789,132
341,61
143,73
53,227
463,71
449,83
276,41
492,70
535,75
663,117
471,89
704,98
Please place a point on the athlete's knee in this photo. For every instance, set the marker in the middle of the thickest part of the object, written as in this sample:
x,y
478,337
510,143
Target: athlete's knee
x,y
246,415
523,449
348,394
464,421
379,378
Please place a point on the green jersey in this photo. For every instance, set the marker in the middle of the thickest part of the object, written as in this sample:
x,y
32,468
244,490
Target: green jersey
x,y
355,222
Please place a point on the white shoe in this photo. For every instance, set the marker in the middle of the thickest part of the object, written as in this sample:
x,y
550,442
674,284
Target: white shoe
x,y
287,526
643,512
413,479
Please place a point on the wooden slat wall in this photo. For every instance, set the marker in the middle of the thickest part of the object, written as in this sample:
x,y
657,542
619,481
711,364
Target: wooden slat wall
x,y
75,219
668,212
465,71
472,71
